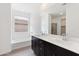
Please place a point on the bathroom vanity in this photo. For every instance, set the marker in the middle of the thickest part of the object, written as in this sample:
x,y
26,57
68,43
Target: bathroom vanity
x,y
53,45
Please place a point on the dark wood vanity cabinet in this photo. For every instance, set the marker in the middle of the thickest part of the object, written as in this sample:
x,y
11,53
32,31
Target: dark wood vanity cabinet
x,y
43,48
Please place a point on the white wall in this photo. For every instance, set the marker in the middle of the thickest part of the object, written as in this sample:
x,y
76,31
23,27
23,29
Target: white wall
x,y
45,23
5,28
35,23
72,20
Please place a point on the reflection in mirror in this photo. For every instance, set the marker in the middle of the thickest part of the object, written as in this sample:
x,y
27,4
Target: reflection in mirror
x,y
63,25
58,24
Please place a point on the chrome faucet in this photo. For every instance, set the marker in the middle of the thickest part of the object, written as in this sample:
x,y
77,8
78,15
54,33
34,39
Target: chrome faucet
x,y
64,36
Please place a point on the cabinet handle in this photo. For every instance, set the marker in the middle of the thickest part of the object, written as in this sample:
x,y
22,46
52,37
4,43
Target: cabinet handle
x,y
40,48
40,42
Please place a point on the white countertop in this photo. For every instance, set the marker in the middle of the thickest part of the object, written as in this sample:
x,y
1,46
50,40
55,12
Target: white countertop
x,y
71,44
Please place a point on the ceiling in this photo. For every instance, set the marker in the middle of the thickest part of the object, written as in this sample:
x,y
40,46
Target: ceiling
x,y
53,8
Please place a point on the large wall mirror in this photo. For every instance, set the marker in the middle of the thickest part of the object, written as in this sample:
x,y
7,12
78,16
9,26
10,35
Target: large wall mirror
x,y
54,19
57,14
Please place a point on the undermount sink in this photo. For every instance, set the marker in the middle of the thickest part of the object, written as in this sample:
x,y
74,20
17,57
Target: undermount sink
x,y
59,38
54,37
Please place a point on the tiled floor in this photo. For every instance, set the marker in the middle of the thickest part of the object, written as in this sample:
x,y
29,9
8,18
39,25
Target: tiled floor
x,y
26,51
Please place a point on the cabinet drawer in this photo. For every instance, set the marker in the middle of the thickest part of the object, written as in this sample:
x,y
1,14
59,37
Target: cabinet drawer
x,y
41,51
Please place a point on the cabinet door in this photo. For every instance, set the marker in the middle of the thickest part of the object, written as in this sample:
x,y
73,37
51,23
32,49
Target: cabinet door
x,y
37,46
59,52
41,47
64,52
33,45
49,49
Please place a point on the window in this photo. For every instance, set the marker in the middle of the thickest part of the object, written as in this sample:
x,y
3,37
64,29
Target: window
x,y
21,25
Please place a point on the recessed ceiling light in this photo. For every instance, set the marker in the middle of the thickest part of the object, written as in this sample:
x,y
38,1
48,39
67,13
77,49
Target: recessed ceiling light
x,y
44,6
